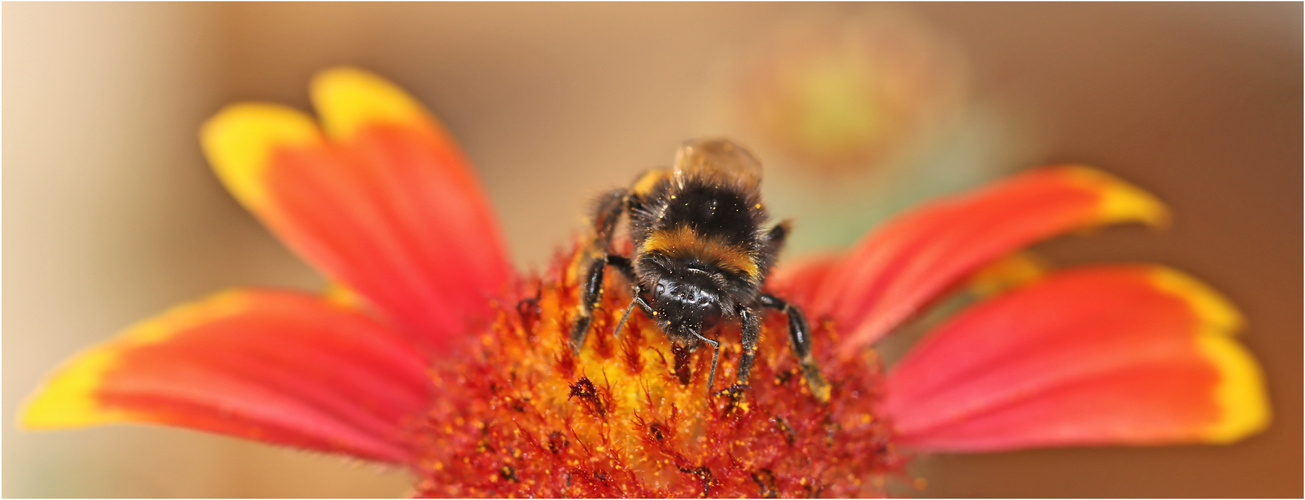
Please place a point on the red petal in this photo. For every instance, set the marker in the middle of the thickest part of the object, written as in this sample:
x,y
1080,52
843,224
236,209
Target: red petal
x,y
389,207
1102,355
912,260
277,367
800,281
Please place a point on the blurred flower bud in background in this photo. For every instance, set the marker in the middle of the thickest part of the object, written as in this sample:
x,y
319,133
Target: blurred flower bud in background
x,y
861,115
846,95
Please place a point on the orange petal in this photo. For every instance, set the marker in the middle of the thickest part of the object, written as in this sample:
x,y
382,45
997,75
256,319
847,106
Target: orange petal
x,y
277,367
912,260
1092,356
388,207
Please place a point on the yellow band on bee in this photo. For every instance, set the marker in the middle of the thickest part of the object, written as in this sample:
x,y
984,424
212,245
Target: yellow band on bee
x,y
681,242
648,181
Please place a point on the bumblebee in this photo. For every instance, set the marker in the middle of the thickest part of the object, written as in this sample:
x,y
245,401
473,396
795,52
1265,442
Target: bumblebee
x,y
701,255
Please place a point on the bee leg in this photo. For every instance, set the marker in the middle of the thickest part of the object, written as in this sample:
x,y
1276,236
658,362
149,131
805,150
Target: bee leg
x,y
774,242
715,357
751,335
799,332
622,264
592,294
606,214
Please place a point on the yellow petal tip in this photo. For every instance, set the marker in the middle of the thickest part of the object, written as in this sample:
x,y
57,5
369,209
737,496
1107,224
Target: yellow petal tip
x,y
1241,396
240,142
341,295
348,98
1010,272
68,398
1211,307
1120,201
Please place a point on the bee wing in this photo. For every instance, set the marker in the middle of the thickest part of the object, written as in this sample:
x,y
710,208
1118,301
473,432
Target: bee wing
x,y
720,159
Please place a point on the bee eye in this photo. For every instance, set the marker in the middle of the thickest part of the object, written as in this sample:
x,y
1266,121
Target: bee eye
x,y
710,313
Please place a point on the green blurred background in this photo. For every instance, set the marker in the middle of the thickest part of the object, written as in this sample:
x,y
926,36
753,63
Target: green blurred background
x,y
111,214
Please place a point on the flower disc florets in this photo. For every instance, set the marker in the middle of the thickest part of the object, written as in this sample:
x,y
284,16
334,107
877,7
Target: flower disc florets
x,y
631,416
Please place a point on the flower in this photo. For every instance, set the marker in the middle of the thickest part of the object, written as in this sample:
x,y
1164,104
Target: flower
x,y
431,353
862,116
841,94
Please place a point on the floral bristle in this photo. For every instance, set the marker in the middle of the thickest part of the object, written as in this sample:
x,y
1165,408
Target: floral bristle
x,y
526,416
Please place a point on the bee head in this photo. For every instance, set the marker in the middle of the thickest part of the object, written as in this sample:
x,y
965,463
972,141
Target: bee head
x,y
686,304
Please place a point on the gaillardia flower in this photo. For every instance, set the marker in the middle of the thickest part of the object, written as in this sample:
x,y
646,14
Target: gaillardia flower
x,y
432,354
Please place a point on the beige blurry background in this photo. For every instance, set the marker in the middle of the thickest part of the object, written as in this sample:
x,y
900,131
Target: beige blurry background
x,y
111,214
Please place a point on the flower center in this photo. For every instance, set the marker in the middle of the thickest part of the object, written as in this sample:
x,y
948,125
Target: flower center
x,y
632,416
